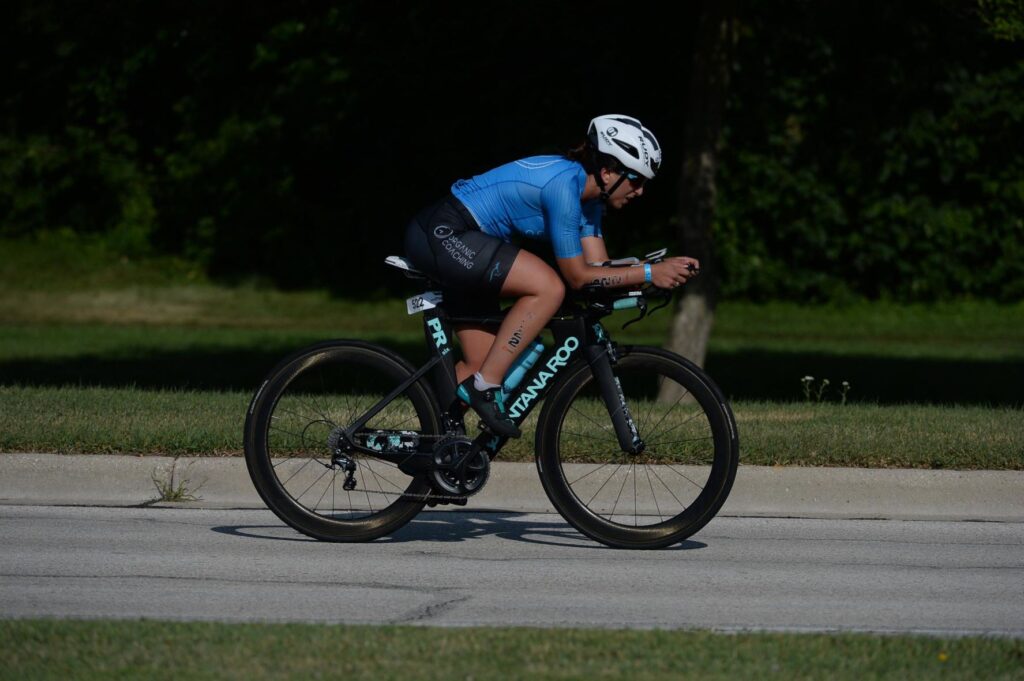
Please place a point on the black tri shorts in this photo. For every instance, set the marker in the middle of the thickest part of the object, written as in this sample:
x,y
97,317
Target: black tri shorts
x,y
444,242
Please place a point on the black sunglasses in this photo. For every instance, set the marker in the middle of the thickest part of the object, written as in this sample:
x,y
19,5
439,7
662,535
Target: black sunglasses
x,y
635,178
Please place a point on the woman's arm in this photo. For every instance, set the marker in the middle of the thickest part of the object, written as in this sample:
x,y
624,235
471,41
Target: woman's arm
x,y
665,274
594,250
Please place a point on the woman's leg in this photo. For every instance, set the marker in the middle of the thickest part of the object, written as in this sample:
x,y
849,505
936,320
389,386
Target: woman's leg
x,y
475,342
540,292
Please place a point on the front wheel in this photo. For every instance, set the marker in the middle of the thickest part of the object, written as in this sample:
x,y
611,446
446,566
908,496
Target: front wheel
x,y
668,491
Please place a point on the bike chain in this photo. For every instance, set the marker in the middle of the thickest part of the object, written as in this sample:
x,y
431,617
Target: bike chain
x,y
434,494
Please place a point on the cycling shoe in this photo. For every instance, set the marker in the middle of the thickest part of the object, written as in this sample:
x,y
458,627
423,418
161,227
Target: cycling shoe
x,y
488,404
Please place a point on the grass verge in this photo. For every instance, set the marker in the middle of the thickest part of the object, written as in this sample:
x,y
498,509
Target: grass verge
x,y
183,422
238,358
56,649
963,330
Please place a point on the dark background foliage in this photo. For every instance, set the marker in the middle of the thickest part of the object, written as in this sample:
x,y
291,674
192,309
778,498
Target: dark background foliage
x,y
870,149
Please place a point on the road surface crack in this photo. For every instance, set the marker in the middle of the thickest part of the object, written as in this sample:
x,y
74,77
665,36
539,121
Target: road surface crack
x,y
431,610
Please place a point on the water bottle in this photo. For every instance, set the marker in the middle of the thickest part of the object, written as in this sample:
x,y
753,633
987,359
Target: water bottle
x,y
524,362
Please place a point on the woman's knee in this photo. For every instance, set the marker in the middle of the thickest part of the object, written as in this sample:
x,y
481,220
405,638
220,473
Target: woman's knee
x,y
531,276
553,291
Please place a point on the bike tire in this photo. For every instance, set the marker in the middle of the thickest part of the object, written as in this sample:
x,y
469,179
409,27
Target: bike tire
x,y
290,418
579,458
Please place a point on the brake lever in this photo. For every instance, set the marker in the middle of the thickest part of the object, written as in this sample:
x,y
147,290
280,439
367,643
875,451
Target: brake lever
x,y
667,300
643,313
667,297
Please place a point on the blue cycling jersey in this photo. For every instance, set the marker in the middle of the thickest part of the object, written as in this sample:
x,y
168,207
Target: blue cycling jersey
x,y
538,197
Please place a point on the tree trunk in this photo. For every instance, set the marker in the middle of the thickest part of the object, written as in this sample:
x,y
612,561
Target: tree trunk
x,y
709,83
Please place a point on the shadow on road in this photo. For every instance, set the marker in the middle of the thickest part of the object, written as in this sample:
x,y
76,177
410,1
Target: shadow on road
x,y
446,526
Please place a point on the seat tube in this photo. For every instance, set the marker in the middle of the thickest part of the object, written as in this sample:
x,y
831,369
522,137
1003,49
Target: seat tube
x,y
614,399
438,332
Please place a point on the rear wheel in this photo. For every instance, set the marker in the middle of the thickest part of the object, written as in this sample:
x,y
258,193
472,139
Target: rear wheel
x,y
657,497
292,437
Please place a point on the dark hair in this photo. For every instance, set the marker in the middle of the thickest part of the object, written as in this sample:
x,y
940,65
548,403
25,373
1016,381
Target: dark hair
x,y
593,160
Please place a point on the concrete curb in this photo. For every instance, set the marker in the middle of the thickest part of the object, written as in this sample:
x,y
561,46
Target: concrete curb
x,y
102,480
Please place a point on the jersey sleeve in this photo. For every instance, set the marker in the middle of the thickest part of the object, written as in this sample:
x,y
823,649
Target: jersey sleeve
x,y
560,205
592,214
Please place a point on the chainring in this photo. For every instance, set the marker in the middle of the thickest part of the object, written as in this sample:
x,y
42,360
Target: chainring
x,y
449,452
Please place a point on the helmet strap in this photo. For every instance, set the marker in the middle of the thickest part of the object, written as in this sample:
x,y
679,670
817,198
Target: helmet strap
x,y
606,193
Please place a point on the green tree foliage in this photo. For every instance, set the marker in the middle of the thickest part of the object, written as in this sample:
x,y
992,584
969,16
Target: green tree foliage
x,y
1004,19
873,150
869,149
295,140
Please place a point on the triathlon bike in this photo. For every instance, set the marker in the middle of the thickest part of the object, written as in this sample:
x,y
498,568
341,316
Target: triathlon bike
x,y
635,446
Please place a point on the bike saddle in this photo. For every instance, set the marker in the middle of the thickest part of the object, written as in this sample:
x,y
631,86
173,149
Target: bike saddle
x,y
406,266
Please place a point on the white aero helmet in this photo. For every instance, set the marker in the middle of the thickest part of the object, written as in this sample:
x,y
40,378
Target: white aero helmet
x,y
628,141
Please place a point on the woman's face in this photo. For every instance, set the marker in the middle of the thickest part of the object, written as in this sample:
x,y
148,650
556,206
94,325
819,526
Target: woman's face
x,y
628,190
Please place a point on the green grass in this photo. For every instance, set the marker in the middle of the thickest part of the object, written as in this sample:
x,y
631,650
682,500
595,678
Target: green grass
x,y
132,420
238,357
59,279
56,649
964,330
154,357
975,330
63,261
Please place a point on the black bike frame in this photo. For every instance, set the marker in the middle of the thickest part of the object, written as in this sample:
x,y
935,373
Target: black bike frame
x,y
578,336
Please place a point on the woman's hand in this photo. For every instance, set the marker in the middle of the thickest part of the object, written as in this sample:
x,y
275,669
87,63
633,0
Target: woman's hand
x,y
672,272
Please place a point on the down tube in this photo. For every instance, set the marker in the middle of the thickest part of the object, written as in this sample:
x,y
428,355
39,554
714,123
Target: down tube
x,y
571,335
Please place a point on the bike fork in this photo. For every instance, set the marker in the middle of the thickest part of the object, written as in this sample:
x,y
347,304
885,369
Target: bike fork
x,y
600,362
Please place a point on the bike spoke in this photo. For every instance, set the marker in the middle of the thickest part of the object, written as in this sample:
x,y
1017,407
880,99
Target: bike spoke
x,y
285,482
647,470
590,473
602,486
669,489
364,458
376,479
690,452
296,456
313,483
349,411
634,493
300,417
380,477
301,437
368,502
654,429
689,439
317,505
600,427
680,425
397,426
685,477
590,437
323,386
619,496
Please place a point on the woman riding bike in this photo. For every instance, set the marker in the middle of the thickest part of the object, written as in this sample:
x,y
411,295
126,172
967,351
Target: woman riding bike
x,y
464,242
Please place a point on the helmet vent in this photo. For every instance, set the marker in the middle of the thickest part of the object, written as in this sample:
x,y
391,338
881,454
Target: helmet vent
x,y
628,148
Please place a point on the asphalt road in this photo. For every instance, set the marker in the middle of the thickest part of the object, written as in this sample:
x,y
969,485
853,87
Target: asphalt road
x,y
473,568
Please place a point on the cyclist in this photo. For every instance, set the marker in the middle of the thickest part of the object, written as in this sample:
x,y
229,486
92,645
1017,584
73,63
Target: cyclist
x,y
464,241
